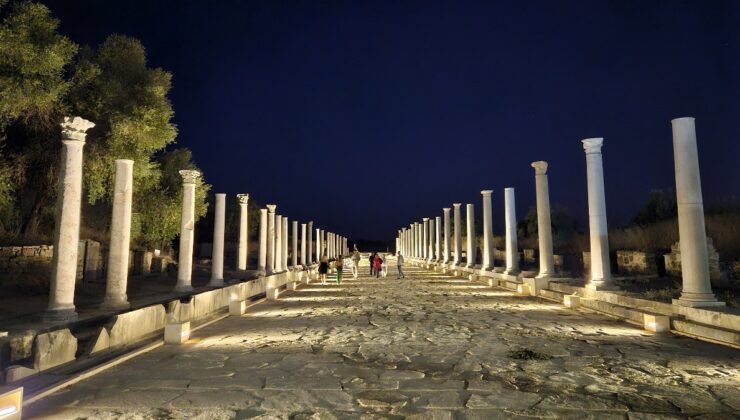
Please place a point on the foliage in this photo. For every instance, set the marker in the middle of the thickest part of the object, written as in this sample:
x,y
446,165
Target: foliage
x,y
564,227
661,205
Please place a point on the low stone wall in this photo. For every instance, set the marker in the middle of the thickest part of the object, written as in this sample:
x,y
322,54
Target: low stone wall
x,y
637,263
673,261
529,256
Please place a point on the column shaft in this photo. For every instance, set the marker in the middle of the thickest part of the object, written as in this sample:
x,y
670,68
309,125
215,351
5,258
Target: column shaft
x,y
544,226
471,236
487,230
512,247
187,229
120,237
458,233
600,269
243,248
217,254
262,263
446,220
271,239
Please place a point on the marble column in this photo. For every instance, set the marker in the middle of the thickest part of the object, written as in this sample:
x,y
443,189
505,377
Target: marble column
x,y
217,254
446,221
425,239
318,245
187,230
67,222
309,246
487,230
278,243
262,263
304,261
471,236
271,239
243,248
458,232
512,246
696,288
120,237
600,265
284,241
432,233
294,257
544,226
438,233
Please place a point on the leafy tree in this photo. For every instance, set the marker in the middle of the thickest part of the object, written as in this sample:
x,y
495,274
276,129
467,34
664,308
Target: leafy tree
x,y
661,205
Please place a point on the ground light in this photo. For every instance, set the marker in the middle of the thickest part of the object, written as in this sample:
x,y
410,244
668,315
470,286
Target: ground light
x,y
11,404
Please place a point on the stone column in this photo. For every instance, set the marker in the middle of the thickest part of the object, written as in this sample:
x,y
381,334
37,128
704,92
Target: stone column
x,y
544,226
446,235
697,288
294,259
187,229
217,257
67,222
458,232
430,247
512,246
425,239
600,268
278,243
487,230
262,263
284,241
120,237
271,239
309,247
318,245
438,231
304,261
471,236
243,249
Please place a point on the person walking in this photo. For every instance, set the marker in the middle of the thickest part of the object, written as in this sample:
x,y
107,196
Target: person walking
x,y
372,263
323,268
399,265
377,265
339,264
356,263
384,267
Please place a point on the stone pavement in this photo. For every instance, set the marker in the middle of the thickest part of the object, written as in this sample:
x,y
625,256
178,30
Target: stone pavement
x,y
430,346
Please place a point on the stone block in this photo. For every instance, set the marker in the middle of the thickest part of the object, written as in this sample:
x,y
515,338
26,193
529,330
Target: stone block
x,y
571,301
100,343
237,307
130,327
15,373
177,332
21,345
53,349
536,284
472,277
523,289
272,293
656,323
292,285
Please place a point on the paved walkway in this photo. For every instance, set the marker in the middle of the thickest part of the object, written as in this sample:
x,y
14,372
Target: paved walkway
x,y
427,347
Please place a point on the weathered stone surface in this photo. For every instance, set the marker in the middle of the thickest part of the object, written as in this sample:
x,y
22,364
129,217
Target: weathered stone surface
x,y
53,349
130,327
101,342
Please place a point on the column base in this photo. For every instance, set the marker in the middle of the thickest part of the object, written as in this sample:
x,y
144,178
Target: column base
x,y
183,288
544,276
115,303
261,273
697,300
601,285
216,283
54,316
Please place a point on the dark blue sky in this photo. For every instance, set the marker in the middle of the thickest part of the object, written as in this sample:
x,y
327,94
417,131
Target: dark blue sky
x,y
365,115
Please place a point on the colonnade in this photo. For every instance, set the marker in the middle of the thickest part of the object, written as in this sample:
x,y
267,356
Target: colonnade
x,y
276,253
417,242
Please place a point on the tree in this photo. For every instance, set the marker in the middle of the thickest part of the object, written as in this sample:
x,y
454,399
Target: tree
x,y
564,226
661,205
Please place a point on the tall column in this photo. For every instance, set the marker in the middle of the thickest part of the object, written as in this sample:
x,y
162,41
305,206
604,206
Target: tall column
x,y
446,221
487,230
600,268
430,247
243,249
294,259
284,241
304,261
67,222
271,239
458,232
696,288
278,243
544,226
425,239
309,247
330,244
187,230
471,236
318,245
264,247
415,239
438,232
217,257
120,237
512,246
419,239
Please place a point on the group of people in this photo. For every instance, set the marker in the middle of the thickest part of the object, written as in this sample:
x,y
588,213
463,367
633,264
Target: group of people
x,y
378,266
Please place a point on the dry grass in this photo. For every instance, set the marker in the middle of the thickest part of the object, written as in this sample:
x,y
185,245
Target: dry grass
x,y
656,237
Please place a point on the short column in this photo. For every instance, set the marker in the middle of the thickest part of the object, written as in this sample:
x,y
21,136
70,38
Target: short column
x,y
262,263
471,236
270,269
278,243
598,230
544,226
187,229
217,254
120,237
458,232
487,230
512,247
446,221
284,242
697,288
243,248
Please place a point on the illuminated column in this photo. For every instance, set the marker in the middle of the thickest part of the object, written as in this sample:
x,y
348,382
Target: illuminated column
x,y
67,222
309,246
438,245
458,233
217,250
487,230
294,257
446,257
271,239
512,247
425,238
278,243
600,269
544,226
187,228
318,245
304,261
120,237
471,236
243,249
262,263
284,242
696,288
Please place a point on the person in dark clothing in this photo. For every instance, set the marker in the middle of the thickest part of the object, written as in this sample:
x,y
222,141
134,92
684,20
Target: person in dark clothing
x,y
372,260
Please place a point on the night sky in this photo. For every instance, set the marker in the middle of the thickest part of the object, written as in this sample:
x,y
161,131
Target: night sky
x,y
363,116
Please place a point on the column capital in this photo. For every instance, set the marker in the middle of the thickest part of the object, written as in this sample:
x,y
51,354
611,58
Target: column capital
x,y
75,128
426,219
682,119
540,167
456,205
271,208
189,176
509,190
446,209
486,192
593,146
243,198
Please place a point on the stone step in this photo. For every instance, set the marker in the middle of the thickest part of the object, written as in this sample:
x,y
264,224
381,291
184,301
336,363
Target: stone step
x,y
631,315
706,332
552,295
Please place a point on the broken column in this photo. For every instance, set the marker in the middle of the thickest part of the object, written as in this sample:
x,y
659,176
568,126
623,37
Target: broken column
x,y
512,247
120,237
217,250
